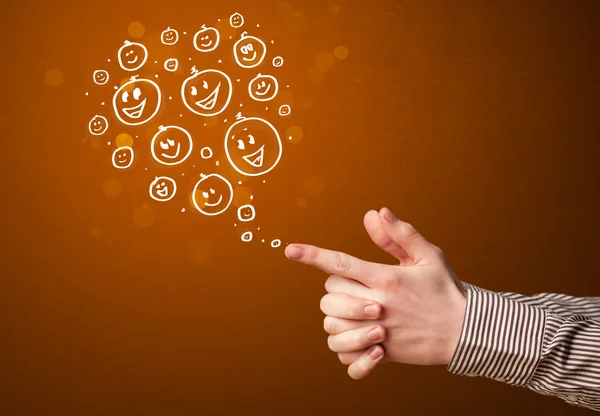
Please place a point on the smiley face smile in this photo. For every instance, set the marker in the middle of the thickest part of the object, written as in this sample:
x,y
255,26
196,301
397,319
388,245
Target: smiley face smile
x,y
216,203
135,112
255,159
167,145
209,102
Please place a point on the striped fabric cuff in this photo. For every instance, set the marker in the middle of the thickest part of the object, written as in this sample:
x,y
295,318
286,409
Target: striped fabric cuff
x,y
500,339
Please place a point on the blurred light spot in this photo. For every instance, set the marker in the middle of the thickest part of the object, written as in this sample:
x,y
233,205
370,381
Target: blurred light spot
x,y
143,216
315,75
241,196
341,52
95,143
307,104
95,232
211,121
325,61
313,185
112,187
136,29
199,252
294,134
124,139
301,202
53,77
335,9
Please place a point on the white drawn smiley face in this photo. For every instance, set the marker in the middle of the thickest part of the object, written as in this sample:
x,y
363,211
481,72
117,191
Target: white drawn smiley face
x,y
263,88
212,195
101,77
169,36
163,189
236,20
137,101
171,64
249,51
122,157
206,39
171,145
132,56
98,125
207,93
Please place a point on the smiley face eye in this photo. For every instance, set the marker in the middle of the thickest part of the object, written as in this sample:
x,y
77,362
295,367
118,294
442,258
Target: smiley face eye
x,y
250,47
194,91
125,96
137,93
205,195
241,145
244,49
171,142
212,191
250,139
205,84
163,184
164,146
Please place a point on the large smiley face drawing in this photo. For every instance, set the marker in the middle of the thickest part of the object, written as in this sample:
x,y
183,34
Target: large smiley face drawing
x,y
236,20
132,56
163,189
122,157
212,195
169,36
206,39
171,145
249,51
253,146
98,125
137,101
263,88
101,77
207,93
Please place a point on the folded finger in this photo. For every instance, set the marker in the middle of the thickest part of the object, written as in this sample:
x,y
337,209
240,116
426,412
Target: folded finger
x,y
341,305
333,325
366,362
351,287
356,339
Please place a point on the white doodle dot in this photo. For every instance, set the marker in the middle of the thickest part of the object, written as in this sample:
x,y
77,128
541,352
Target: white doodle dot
x,y
182,209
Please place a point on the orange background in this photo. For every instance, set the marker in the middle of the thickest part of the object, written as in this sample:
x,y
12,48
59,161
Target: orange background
x,y
476,121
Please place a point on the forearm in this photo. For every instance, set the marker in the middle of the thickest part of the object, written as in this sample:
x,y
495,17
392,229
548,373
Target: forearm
x,y
523,345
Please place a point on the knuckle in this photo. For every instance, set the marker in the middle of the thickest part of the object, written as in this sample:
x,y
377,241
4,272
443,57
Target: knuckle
x,y
341,262
408,229
355,311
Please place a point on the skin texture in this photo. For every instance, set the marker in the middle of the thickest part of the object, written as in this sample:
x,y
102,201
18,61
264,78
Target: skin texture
x,y
410,312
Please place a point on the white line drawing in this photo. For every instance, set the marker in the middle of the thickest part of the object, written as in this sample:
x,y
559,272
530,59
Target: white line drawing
x,y
208,187
122,157
263,87
246,213
285,110
277,61
194,92
247,237
169,36
207,39
249,51
171,145
171,64
101,77
236,20
247,134
206,152
132,116
98,125
132,56
275,243
162,189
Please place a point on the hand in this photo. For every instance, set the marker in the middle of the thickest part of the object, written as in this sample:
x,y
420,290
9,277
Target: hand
x,y
423,301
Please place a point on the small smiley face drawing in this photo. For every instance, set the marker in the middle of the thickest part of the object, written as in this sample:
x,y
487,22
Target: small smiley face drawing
x,y
263,88
252,146
98,125
169,36
171,64
122,157
236,20
171,145
285,110
249,51
137,101
246,213
163,189
101,77
277,61
207,93
206,39
212,195
247,237
132,56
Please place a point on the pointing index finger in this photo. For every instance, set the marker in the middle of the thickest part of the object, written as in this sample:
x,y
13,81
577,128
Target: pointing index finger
x,y
333,262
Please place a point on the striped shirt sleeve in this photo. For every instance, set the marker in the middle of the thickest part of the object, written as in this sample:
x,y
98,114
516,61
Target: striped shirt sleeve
x,y
549,343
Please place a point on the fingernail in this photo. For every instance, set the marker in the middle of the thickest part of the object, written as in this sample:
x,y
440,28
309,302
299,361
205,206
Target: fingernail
x,y
389,216
375,353
374,334
372,310
293,252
